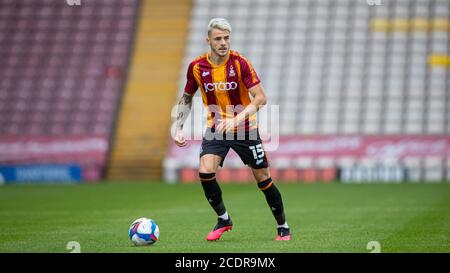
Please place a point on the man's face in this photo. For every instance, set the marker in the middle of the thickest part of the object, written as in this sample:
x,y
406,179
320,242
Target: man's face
x,y
219,41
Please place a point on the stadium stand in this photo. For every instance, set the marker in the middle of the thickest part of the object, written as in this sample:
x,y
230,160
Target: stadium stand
x,y
61,77
362,89
372,74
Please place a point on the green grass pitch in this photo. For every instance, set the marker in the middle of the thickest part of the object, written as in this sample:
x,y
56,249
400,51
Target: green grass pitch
x,y
323,218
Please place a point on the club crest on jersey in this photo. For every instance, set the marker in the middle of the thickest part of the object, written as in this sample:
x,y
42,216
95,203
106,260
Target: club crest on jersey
x,y
232,74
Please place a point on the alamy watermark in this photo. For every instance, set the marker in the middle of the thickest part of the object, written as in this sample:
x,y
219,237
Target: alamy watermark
x,y
373,2
375,246
74,246
73,2
196,126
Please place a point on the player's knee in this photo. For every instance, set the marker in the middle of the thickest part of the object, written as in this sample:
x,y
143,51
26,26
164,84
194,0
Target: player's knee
x,y
209,163
207,168
261,174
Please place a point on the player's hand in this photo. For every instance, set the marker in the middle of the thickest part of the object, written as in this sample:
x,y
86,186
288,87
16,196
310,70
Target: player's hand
x,y
225,125
179,139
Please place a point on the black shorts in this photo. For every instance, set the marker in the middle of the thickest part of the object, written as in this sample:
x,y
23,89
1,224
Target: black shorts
x,y
249,147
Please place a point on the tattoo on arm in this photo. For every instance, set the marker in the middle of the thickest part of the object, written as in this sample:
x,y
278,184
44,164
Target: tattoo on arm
x,y
184,107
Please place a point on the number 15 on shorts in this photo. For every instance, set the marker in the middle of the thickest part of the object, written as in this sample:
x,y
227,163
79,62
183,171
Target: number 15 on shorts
x,y
258,153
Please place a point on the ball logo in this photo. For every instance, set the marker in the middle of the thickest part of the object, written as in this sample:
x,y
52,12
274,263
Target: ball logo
x,y
221,86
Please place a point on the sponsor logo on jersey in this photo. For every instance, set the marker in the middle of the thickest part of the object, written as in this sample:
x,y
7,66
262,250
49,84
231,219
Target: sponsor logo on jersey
x,y
220,86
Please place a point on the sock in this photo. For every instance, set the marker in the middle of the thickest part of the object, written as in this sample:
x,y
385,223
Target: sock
x,y
274,200
213,193
224,216
285,225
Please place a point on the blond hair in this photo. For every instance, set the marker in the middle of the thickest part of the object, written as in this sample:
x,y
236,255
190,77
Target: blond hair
x,y
219,23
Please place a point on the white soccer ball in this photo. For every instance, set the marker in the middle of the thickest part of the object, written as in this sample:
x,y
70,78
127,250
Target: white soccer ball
x,y
144,231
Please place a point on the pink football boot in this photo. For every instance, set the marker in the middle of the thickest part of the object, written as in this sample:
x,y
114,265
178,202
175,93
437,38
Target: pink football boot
x,y
283,234
221,227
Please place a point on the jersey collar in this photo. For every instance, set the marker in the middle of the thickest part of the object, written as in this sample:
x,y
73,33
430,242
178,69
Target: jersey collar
x,y
218,65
